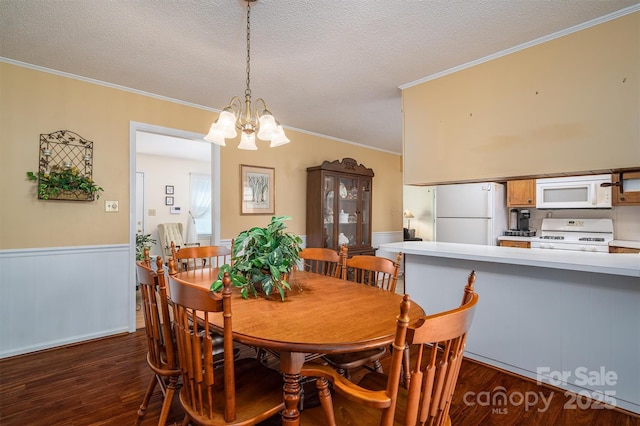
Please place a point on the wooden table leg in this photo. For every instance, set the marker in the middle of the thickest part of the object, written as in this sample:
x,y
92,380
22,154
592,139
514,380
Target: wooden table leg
x,y
291,365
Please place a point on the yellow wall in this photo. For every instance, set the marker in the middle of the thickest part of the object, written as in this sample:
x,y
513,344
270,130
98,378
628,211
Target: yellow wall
x,y
568,105
34,102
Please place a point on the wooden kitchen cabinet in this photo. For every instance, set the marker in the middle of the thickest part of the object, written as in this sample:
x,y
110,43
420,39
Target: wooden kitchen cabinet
x,y
518,244
339,206
613,249
521,193
626,189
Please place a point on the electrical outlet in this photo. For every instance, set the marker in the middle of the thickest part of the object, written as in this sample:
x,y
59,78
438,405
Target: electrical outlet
x,y
111,206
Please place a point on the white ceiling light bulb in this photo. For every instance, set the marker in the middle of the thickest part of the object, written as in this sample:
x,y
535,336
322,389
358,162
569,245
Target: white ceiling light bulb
x,y
215,135
227,123
248,141
267,126
279,138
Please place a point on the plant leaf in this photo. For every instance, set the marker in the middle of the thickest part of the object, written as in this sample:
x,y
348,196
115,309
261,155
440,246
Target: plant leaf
x,y
281,291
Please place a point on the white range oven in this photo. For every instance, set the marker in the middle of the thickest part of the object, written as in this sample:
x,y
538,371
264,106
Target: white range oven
x,y
574,234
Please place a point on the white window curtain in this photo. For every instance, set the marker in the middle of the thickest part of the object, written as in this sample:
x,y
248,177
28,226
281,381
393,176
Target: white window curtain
x,y
199,222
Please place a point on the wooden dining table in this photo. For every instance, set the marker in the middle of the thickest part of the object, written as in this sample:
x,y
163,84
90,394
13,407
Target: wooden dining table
x,y
320,315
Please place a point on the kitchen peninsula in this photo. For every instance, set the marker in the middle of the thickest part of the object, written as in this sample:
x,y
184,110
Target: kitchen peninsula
x,y
542,314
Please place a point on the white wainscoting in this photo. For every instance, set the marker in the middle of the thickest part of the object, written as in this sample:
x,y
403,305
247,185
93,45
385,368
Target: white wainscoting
x,y
386,237
55,296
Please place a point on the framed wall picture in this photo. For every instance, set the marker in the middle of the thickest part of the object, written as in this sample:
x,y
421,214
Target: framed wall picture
x,y
257,190
168,201
168,189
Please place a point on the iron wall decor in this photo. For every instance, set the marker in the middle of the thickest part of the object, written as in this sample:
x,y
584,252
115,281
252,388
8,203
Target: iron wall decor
x,y
65,168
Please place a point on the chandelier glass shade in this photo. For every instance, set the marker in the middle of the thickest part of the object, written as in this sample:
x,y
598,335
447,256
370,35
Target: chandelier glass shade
x,y
252,119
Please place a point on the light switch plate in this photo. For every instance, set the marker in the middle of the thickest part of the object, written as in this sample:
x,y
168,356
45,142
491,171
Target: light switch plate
x,y
111,206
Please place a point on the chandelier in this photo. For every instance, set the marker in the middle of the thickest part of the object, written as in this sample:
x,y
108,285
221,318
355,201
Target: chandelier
x,y
250,119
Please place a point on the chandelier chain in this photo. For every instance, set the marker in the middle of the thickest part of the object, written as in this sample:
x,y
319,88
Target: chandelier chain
x,y
247,92
252,119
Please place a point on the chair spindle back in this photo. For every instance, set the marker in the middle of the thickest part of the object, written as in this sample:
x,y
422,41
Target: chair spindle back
x,y
441,342
190,258
323,261
374,271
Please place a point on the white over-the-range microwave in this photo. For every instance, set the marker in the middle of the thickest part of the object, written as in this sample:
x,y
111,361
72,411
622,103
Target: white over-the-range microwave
x,y
574,192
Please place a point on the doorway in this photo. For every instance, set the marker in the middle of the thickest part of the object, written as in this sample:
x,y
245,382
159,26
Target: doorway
x,y
173,144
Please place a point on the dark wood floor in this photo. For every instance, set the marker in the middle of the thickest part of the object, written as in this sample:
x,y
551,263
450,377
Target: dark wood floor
x,y
102,383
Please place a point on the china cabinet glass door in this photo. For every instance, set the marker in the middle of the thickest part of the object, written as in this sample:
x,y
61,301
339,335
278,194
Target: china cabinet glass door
x,y
348,211
364,234
330,218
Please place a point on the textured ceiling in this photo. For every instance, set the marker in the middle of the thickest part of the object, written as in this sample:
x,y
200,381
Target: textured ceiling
x,y
331,67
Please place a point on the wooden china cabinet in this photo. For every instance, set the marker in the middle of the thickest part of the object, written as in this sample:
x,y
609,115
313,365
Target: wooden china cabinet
x,y
339,206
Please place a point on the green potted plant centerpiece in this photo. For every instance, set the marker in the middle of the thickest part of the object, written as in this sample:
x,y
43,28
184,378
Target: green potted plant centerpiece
x,y
262,258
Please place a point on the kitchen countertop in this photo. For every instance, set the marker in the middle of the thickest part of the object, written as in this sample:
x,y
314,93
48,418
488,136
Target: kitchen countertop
x,y
627,264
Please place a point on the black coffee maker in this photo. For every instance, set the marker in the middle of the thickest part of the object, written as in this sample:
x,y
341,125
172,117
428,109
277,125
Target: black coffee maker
x,y
519,221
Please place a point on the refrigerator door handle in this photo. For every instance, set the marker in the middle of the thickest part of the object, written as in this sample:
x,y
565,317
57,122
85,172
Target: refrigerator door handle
x,y
490,202
490,233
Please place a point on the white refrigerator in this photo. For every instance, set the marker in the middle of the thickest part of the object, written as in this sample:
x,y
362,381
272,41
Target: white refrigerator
x,y
471,213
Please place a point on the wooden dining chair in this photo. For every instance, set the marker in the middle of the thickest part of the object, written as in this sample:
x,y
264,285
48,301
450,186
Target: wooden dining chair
x,y
324,261
146,258
189,258
378,272
374,271
241,392
161,354
439,342
347,394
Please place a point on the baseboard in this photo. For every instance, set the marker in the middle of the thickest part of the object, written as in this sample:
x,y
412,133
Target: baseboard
x,y
56,344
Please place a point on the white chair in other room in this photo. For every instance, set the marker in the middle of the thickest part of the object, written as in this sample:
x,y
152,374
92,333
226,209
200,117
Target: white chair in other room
x,y
168,232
